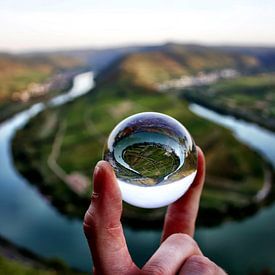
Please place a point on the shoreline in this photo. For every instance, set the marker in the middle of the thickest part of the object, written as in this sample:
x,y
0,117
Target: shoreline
x,y
147,218
12,108
141,217
224,110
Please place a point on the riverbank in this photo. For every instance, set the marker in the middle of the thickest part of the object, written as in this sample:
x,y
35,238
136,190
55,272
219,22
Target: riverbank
x,y
250,98
10,108
243,115
89,121
87,128
26,79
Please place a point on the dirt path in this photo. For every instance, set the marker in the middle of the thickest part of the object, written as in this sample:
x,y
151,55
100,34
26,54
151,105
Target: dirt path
x,y
75,180
56,147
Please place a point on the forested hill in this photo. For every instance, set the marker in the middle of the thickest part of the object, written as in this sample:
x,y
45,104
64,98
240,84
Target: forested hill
x,y
170,61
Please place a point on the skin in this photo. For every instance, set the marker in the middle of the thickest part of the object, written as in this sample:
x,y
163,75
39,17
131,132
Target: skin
x,y
178,252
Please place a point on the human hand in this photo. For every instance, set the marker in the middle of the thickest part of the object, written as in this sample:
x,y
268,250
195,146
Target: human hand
x,y
178,252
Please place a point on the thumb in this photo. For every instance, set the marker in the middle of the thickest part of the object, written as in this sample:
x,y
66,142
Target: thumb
x,y
106,203
102,225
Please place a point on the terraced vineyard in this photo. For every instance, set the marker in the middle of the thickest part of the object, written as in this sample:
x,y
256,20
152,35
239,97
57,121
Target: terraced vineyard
x,y
151,160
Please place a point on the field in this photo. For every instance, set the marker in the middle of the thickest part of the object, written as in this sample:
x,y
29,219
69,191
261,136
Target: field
x,y
151,160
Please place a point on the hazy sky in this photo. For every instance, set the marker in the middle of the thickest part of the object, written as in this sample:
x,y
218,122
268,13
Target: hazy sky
x,y
50,24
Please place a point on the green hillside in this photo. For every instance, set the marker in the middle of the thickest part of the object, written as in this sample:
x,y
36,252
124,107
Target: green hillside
x,y
19,73
16,71
172,61
234,172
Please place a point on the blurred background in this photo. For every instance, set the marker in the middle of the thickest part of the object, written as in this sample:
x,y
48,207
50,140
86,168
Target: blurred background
x,y
71,70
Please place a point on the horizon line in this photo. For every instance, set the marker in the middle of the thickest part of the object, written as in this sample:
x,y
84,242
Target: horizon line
x,y
137,44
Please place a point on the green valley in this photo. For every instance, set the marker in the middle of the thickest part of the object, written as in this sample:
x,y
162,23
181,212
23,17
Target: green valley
x,y
234,173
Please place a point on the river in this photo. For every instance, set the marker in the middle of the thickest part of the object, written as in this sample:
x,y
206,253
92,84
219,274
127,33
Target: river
x,y
29,220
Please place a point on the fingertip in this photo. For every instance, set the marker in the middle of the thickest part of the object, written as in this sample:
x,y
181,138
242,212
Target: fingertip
x,y
201,164
106,203
103,174
105,164
106,191
201,157
102,166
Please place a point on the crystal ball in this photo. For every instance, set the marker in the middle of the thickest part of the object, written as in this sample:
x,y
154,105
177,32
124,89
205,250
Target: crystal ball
x,y
154,158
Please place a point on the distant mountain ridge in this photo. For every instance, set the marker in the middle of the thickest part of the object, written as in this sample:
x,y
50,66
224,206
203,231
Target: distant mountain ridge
x,y
99,59
142,66
149,65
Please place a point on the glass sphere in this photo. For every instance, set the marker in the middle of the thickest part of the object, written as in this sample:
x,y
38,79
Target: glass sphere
x,y
154,158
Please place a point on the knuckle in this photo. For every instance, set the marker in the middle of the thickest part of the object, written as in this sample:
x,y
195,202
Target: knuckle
x,y
89,222
182,239
155,268
202,265
90,219
94,197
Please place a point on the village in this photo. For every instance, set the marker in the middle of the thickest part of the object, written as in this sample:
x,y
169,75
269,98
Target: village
x,y
34,89
200,79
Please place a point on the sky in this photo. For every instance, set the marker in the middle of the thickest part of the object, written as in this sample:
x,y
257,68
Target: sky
x,y
65,24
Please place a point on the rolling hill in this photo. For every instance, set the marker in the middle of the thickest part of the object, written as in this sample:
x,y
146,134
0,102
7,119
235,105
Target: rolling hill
x,y
22,75
234,173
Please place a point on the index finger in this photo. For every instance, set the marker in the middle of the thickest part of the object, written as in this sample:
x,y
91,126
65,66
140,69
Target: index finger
x,y
181,215
102,225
